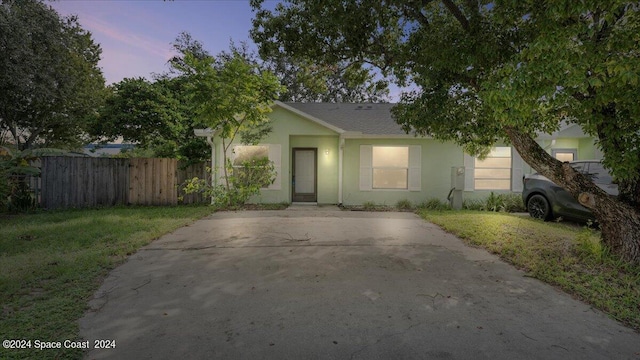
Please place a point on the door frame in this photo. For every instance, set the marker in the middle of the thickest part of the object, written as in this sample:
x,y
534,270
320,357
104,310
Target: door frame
x,y
304,197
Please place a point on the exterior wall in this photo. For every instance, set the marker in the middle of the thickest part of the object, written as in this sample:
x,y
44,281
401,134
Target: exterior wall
x,y
437,158
294,131
290,130
587,150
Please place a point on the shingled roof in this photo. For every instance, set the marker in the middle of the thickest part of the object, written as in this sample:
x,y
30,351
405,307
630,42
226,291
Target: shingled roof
x,y
367,118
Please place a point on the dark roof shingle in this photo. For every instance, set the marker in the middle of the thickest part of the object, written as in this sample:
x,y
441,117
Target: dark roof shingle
x,y
367,118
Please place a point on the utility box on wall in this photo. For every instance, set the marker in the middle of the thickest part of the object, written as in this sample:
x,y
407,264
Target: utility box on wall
x,y
457,187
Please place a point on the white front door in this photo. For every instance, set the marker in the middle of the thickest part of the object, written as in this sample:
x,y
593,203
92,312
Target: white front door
x,y
304,175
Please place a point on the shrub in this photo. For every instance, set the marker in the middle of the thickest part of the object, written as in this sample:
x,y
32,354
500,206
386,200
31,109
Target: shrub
x,y
5,189
473,204
404,204
434,204
369,205
496,203
512,203
245,181
15,170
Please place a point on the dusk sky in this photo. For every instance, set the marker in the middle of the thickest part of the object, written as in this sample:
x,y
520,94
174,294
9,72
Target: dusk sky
x,y
136,36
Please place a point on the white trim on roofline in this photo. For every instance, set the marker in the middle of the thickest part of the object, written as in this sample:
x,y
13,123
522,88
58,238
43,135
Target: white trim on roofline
x,y
309,117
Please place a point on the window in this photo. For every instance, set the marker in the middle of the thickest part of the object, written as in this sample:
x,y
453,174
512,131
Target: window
x,y
564,154
390,167
599,174
242,153
494,172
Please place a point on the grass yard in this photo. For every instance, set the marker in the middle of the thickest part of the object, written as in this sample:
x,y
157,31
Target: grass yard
x,y
566,256
52,262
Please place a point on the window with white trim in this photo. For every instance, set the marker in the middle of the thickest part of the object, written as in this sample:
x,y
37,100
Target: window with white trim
x,y
390,165
565,154
243,153
494,172
394,168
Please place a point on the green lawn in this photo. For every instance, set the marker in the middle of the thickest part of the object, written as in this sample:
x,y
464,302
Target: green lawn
x,y
52,262
566,256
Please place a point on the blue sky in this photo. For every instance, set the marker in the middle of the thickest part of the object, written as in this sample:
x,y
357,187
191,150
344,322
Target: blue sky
x,y
136,36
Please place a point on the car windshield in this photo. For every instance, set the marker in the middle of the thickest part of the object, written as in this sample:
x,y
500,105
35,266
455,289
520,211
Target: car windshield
x,y
578,166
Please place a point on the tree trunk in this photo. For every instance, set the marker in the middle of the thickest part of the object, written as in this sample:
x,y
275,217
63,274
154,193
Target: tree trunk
x,y
224,166
619,222
630,192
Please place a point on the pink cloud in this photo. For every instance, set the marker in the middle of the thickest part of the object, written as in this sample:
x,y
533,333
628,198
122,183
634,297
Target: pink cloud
x,y
136,41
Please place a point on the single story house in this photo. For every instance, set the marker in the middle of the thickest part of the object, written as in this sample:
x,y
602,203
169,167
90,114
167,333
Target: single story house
x,y
349,154
111,149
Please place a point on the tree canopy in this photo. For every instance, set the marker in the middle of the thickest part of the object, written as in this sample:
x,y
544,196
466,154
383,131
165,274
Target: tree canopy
x,y
229,94
306,81
51,84
231,91
155,115
492,71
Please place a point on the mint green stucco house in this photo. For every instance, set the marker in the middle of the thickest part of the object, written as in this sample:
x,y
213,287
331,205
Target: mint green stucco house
x,y
355,153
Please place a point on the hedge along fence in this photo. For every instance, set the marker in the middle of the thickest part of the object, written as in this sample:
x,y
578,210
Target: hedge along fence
x,y
81,182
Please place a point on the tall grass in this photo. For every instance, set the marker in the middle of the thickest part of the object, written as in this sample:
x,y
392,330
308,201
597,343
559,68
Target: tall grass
x,y
572,258
496,203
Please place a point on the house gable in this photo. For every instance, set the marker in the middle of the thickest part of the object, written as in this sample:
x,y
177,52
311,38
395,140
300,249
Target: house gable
x,y
302,121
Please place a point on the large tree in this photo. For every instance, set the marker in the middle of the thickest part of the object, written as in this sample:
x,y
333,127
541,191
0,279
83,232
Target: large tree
x,y
228,93
50,82
199,91
308,81
155,115
490,71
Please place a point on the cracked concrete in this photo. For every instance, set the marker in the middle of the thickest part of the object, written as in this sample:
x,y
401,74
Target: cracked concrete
x,y
336,285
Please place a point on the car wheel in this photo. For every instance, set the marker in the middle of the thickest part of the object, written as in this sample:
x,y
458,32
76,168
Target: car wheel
x,y
538,207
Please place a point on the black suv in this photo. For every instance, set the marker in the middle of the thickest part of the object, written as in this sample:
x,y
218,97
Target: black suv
x,y
546,200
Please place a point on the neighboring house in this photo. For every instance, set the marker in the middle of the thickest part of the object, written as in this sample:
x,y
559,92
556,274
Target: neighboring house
x,y
97,150
355,153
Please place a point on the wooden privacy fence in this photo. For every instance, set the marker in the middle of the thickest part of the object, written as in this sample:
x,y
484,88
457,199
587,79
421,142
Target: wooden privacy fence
x,y
88,182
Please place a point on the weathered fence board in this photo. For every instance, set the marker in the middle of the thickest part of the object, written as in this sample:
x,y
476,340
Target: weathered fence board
x,y
83,182
188,173
89,182
153,181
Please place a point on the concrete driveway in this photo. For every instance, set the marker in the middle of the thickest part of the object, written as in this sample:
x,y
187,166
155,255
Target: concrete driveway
x,y
316,284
